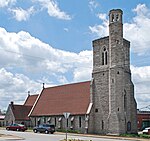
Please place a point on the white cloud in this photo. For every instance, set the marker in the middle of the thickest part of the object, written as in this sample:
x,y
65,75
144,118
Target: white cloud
x,y
21,14
62,79
138,30
141,79
66,29
15,87
53,9
100,30
82,73
4,3
84,66
93,4
102,17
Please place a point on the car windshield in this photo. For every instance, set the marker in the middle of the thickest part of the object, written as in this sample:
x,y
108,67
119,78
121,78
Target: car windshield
x,y
47,125
20,125
14,124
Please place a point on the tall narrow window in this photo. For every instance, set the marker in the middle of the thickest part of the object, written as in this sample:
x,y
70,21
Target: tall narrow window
x,y
117,17
67,122
104,56
39,121
125,100
49,120
79,121
102,124
55,121
34,122
129,126
44,119
112,18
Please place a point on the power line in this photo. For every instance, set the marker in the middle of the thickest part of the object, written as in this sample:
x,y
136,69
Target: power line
x,y
142,93
42,58
35,57
148,107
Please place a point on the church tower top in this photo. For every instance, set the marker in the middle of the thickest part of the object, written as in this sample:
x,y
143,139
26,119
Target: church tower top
x,y
115,15
115,25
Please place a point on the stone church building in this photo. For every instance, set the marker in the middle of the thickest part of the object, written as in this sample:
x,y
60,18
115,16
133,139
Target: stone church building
x,y
104,105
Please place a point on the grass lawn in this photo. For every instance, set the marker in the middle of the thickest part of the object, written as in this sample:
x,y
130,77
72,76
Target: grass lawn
x,y
136,135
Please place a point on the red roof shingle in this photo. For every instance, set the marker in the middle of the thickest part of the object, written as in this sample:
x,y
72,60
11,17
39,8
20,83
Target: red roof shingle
x,y
20,111
73,98
30,100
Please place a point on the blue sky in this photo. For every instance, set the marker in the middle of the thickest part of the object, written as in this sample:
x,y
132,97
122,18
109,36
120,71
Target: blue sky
x,y
50,41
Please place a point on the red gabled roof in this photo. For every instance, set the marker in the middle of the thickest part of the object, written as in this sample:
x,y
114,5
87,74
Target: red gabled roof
x,y
30,100
73,98
20,111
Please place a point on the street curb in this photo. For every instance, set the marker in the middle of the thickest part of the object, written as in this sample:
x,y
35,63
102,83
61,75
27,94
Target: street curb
x,y
104,136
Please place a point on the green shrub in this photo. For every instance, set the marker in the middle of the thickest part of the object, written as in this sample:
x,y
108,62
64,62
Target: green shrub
x,y
144,136
68,131
136,135
129,135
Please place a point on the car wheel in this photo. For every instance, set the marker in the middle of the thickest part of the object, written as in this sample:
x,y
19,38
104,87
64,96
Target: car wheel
x,y
35,131
17,129
46,131
7,129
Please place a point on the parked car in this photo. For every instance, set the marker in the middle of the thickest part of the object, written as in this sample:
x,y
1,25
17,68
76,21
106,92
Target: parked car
x,y
16,127
145,131
45,128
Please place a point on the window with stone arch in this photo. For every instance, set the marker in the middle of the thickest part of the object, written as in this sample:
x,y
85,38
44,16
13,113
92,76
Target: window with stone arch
x,y
104,56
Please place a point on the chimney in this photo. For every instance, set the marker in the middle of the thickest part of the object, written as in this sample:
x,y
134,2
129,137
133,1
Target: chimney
x,y
12,104
28,93
43,85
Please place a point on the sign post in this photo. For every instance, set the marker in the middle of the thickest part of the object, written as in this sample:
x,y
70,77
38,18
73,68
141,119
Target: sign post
x,y
66,115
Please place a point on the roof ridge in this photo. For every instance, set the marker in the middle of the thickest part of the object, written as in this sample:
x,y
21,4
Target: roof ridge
x,y
67,84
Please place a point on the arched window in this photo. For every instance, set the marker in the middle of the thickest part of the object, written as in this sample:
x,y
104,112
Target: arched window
x,y
112,18
129,126
39,121
117,17
104,56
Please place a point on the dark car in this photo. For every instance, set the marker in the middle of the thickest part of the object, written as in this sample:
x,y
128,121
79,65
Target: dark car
x,y
45,128
16,127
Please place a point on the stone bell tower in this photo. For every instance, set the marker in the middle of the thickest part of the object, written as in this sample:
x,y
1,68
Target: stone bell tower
x,y
112,91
